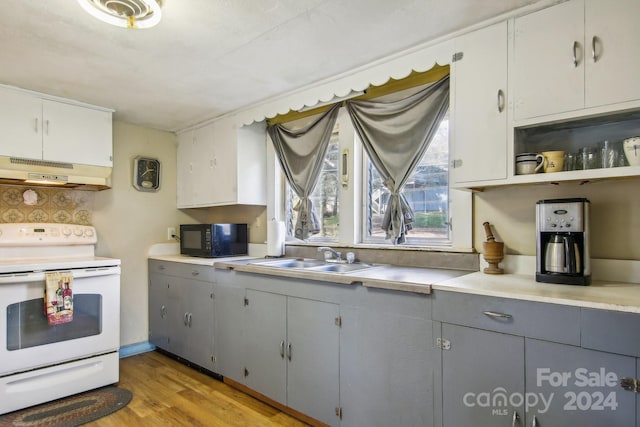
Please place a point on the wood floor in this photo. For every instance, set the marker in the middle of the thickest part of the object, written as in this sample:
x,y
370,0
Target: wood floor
x,y
168,393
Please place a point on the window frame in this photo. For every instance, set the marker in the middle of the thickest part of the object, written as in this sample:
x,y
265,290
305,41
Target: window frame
x,y
352,200
413,242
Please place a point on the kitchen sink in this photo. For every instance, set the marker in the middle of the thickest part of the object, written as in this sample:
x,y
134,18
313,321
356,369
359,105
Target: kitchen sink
x,y
341,268
311,264
291,263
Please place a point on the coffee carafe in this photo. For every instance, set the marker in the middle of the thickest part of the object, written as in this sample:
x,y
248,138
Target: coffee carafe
x,y
562,228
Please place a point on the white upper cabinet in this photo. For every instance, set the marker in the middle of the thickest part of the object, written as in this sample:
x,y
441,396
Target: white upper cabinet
x,y
575,55
480,106
219,164
20,125
42,129
547,80
74,134
612,43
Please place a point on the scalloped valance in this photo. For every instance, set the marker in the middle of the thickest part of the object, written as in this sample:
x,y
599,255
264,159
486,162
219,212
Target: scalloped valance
x,y
397,67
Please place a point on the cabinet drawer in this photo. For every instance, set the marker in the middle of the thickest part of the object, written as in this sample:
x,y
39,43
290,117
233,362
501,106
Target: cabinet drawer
x,y
611,331
178,269
552,322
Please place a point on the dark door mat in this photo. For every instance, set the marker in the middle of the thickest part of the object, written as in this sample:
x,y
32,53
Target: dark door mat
x,y
70,411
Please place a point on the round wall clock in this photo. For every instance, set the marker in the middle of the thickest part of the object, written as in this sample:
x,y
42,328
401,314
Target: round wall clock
x,y
146,174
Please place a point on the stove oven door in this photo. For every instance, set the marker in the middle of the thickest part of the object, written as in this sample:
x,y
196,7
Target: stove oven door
x,y
27,341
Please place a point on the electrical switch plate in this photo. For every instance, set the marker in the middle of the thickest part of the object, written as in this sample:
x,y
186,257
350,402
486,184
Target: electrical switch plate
x,y
171,233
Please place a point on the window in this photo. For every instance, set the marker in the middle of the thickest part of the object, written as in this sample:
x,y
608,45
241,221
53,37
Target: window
x,y
325,196
427,192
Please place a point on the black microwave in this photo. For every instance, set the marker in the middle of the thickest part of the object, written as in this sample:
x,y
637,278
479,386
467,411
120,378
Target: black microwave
x,y
213,240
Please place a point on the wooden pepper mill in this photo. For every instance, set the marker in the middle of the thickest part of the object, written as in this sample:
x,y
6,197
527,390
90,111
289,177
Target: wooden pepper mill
x,y
493,251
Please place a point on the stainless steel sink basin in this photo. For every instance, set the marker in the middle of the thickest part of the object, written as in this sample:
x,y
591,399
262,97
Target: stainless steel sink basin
x,y
311,264
341,268
291,263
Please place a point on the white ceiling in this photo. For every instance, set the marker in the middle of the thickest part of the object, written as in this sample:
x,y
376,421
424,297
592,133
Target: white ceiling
x,y
209,57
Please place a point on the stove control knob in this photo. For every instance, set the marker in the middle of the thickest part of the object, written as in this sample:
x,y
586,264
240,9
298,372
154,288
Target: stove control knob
x,y
66,231
77,232
88,232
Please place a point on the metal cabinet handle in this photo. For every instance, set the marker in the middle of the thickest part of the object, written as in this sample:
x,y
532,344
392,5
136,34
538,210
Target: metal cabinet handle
x,y
594,39
163,311
46,123
534,423
289,351
497,315
575,54
282,349
190,316
184,319
500,101
195,273
516,419
630,384
161,267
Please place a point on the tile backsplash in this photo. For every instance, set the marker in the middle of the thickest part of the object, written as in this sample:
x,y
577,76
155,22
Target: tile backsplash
x,y
45,204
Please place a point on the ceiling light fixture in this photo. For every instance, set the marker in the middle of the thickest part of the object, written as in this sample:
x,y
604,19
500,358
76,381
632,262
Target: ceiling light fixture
x,y
125,13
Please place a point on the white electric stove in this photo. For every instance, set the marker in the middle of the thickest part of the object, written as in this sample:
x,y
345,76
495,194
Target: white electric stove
x,y
43,362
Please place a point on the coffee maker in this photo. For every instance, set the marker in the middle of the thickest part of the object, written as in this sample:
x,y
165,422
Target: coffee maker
x,y
562,241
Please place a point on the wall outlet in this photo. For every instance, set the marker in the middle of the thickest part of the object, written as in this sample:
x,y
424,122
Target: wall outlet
x,y
171,233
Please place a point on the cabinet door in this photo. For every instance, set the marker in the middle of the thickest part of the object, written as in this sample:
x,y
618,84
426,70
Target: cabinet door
x,y
388,362
20,124
158,310
612,30
185,187
480,111
546,78
229,327
202,159
224,171
200,324
480,373
74,134
313,354
265,344
572,386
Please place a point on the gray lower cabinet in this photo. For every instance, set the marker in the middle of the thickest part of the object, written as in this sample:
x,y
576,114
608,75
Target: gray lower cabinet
x,y
192,331
159,310
481,373
181,311
504,357
388,359
573,386
229,326
292,352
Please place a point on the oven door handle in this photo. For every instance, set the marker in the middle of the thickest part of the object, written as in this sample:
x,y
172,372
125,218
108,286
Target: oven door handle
x,y
39,276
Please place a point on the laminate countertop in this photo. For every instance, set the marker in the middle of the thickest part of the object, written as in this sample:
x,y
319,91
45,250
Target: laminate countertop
x,y
601,294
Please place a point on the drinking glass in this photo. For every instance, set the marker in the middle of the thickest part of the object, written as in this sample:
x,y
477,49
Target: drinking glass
x,y
589,158
608,155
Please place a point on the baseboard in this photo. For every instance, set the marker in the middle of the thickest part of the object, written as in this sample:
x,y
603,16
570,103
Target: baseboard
x,y
138,348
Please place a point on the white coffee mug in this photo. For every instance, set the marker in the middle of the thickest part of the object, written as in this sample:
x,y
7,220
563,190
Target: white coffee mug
x,y
528,163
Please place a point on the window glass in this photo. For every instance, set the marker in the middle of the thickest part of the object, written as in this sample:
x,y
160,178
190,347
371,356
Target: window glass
x,y
427,192
325,196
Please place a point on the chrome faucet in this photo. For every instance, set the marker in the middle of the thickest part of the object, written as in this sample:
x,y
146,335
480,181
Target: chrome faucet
x,y
335,253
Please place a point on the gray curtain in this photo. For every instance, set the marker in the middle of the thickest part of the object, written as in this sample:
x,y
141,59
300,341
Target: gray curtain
x,y
395,135
301,154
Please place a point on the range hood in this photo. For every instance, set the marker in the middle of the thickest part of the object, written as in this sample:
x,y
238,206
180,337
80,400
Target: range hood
x,y
20,171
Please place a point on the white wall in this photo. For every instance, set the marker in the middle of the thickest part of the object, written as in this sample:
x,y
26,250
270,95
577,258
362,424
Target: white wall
x,y
129,221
